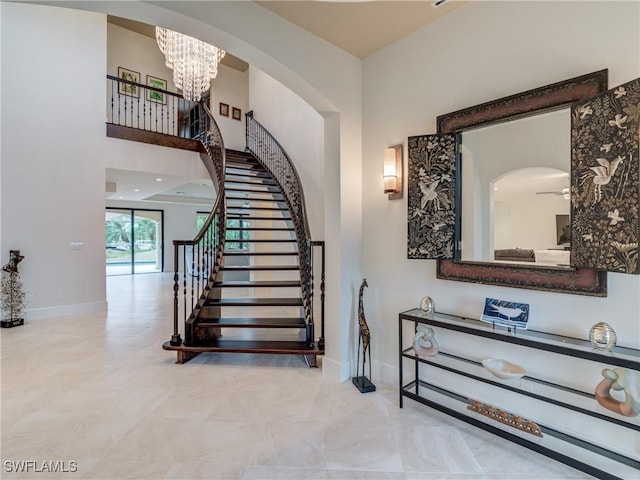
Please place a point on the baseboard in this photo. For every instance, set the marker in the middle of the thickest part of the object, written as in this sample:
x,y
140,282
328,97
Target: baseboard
x,y
65,310
388,373
336,370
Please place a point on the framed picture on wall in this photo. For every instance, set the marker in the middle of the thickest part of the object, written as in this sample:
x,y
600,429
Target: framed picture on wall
x,y
236,113
127,88
224,109
154,95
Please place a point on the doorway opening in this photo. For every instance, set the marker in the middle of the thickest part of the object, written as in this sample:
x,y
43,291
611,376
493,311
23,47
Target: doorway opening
x,y
134,241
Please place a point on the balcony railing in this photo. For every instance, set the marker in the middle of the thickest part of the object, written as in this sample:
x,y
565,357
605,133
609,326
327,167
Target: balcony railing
x,y
141,107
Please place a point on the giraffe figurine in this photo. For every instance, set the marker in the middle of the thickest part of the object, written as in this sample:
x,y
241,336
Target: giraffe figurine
x,y
362,382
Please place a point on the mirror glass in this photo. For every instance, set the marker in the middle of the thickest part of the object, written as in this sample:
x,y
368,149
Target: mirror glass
x,y
515,191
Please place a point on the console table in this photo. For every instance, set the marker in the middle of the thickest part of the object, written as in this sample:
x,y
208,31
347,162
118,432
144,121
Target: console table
x,y
543,410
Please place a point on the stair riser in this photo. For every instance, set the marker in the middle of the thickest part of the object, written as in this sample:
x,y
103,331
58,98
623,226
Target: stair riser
x,y
265,326
254,190
262,264
256,201
265,236
248,174
258,294
236,209
248,178
263,185
277,220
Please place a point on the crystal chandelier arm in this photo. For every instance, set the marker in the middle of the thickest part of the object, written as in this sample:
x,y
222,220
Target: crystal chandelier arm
x,y
194,63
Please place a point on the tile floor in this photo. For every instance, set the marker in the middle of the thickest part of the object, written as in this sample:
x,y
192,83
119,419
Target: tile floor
x,y
98,390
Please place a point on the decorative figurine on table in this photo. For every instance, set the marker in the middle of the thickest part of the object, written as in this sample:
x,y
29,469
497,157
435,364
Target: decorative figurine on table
x,y
361,382
11,292
424,341
427,305
619,379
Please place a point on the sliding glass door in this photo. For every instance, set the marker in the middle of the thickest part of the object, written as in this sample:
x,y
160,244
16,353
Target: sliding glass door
x,y
133,241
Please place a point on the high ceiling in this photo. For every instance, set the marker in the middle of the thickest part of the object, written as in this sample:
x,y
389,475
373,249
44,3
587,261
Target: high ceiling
x,y
362,27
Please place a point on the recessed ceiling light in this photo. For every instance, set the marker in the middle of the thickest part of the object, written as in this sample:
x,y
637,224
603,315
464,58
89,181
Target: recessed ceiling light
x,y
121,198
136,189
158,179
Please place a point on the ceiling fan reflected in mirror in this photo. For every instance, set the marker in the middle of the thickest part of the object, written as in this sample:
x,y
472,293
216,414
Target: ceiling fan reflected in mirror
x,y
564,192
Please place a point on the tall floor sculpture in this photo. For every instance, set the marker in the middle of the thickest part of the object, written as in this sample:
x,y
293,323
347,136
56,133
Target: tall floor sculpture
x,y
361,382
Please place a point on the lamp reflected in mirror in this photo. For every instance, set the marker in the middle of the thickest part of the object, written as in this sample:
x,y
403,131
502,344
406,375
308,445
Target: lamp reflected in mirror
x,y
393,174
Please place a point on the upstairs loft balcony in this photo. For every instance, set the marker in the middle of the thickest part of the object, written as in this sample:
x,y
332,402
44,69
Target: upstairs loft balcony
x,y
153,115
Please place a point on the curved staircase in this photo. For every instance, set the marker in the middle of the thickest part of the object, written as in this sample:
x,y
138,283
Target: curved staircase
x,y
258,296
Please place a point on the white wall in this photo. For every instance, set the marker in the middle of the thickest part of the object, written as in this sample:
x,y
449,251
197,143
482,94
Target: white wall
x,y
53,67
528,221
231,87
300,131
480,52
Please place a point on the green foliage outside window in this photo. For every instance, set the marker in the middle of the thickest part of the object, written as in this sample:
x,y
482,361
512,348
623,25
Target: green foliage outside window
x,y
231,234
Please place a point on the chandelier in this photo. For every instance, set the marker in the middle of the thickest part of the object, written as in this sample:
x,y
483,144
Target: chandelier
x,y
194,63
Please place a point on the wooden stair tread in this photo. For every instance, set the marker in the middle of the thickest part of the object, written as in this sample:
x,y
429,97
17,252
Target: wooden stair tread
x,y
249,346
254,302
252,322
254,199
245,166
243,172
260,229
254,190
256,254
247,268
266,182
275,190
241,157
248,174
261,240
251,217
242,207
257,284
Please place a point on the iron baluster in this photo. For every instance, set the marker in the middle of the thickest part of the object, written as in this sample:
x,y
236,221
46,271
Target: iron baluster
x,y
175,338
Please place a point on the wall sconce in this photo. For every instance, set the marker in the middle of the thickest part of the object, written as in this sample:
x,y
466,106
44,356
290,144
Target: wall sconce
x,y
393,172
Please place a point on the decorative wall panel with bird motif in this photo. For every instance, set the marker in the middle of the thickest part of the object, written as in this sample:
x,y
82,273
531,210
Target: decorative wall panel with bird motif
x,y
432,196
605,180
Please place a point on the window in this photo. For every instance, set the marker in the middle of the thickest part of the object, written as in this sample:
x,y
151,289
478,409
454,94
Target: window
x,y
237,235
133,241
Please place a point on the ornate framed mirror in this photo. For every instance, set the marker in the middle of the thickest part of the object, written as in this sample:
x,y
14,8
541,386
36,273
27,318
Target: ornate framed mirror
x,y
550,98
